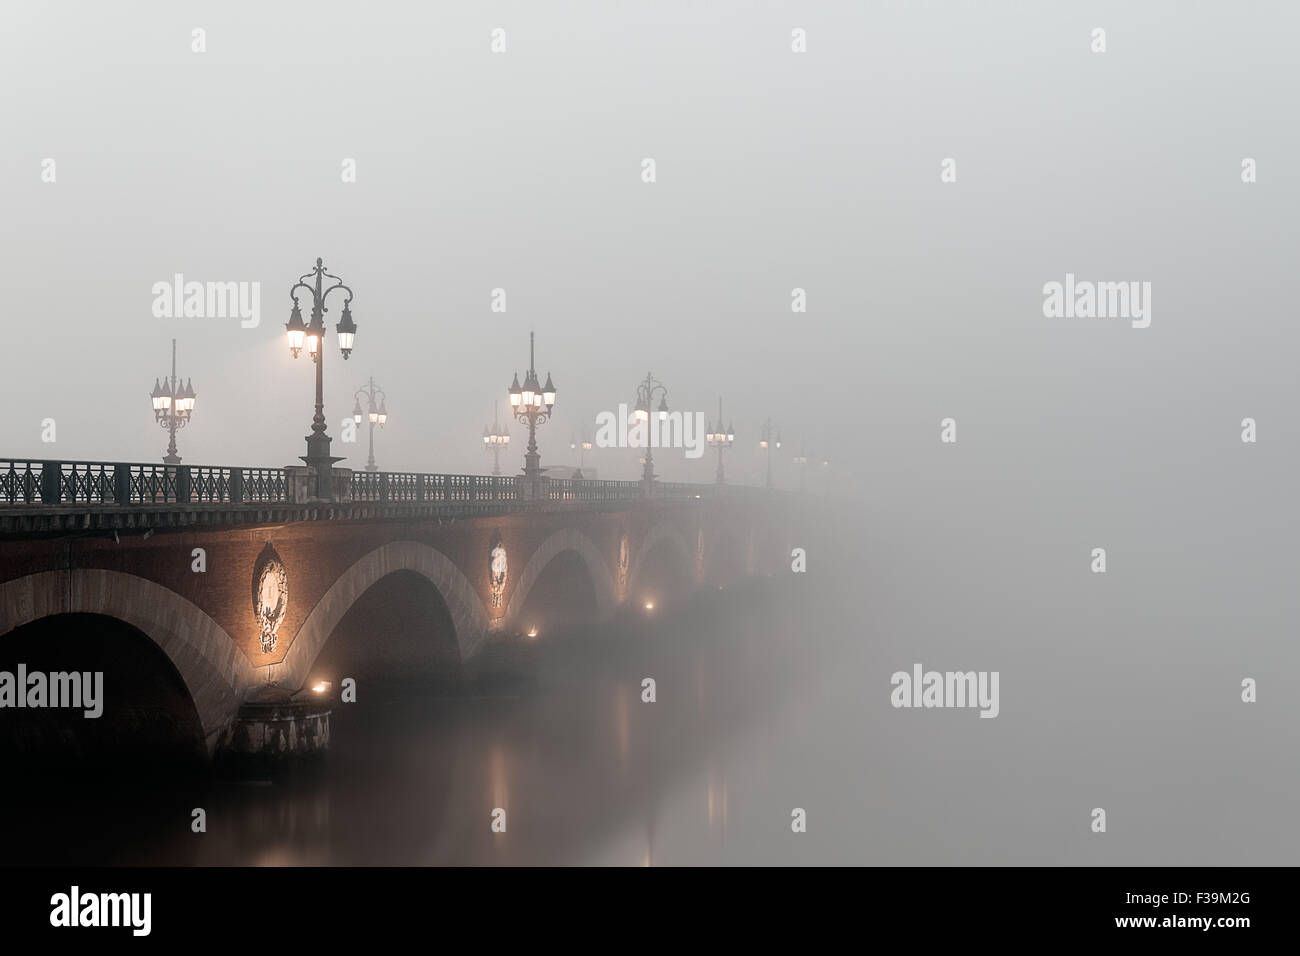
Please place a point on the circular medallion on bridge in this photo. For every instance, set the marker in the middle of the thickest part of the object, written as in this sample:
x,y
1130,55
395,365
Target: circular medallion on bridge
x,y
270,596
497,565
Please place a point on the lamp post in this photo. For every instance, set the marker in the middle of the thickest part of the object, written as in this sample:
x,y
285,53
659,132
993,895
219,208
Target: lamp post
x,y
495,438
720,438
767,442
531,404
582,447
645,394
801,460
378,414
172,406
318,456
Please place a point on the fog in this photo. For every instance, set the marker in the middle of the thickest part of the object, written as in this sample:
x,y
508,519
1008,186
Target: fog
x,y
775,171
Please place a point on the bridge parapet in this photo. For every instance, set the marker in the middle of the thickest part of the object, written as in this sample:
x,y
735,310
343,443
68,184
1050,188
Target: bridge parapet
x,y
46,495
31,482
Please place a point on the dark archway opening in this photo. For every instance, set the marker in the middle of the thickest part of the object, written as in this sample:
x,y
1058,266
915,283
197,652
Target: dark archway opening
x,y
663,577
563,598
398,635
81,789
147,721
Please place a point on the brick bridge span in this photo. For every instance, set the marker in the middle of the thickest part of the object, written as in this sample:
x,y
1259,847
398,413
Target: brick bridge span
x,y
239,593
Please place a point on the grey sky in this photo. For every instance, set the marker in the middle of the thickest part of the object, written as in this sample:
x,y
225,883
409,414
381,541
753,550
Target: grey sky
x,y
775,170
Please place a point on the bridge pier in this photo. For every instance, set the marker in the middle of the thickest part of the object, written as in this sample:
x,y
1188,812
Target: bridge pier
x,y
275,729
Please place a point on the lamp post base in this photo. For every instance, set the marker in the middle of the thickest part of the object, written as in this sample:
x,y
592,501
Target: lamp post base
x,y
648,477
321,462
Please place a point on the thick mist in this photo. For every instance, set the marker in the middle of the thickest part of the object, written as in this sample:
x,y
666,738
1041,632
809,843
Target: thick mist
x,y
776,171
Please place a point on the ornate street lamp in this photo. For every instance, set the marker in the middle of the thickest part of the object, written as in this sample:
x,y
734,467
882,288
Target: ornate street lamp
x,y
378,414
495,438
531,404
768,442
173,404
312,335
645,395
720,438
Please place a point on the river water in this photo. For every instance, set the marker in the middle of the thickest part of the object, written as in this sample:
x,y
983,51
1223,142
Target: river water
x,y
770,698
561,740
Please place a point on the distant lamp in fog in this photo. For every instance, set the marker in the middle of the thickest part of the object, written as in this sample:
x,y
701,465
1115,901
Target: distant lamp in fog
x,y
376,414
649,605
718,437
582,445
173,403
800,461
495,437
645,395
768,440
532,632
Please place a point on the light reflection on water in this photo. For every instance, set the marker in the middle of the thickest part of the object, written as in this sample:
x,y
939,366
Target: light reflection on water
x,y
585,771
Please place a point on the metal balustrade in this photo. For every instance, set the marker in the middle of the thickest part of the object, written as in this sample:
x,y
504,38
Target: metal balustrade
x,y
127,483
32,482
399,486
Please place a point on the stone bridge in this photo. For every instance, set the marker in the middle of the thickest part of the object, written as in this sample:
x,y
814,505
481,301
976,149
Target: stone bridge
x,y
241,580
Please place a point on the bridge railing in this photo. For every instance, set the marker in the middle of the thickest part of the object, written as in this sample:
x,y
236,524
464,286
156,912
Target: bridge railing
x,y
28,481
24,481
681,489
591,489
414,486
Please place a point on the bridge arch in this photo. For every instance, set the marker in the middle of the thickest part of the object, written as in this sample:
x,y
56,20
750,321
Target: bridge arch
x,y
468,615
677,541
566,539
214,669
728,557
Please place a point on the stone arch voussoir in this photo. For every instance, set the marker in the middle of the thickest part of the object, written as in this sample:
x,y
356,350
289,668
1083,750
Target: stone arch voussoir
x,y
215,671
